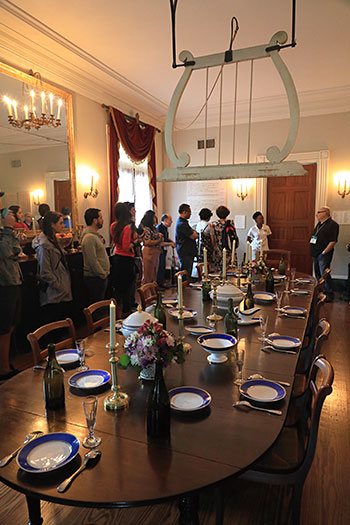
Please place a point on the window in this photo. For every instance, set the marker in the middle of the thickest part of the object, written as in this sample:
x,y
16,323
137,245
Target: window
x,y
134,185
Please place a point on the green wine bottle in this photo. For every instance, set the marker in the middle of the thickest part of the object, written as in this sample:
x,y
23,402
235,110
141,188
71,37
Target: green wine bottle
x,y
231,320
159,311
206,287
158,407
248,301
53,382
282,267
269,283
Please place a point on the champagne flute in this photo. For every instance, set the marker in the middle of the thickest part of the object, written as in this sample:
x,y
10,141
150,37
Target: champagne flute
x,y
90,409
263,326
240,353
286,284
279,297
292,274
80,346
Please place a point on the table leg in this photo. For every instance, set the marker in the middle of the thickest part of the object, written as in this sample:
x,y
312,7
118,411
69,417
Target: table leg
x,y
188,506
34,511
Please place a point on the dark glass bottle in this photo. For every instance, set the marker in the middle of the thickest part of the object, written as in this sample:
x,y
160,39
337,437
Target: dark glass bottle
x,y
231,320
248,301
269,283
282,267
159,311
158,407
206,287
53,382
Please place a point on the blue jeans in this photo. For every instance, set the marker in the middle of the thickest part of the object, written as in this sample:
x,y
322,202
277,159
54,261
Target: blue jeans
x,y
320,264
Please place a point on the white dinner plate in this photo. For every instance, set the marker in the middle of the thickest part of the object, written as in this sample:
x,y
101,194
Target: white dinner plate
x,y
304,280
67,357
199,330
189,398
187,313
262,390
300,291
284,342
89,379
264,297
293,311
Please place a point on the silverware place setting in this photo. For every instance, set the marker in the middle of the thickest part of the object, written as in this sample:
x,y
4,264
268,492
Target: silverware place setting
x,y
259,376
89,456
32,435
246,404
268,349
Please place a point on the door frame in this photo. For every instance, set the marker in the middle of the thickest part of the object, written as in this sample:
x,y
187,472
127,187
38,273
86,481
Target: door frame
x,y
320,158
50,177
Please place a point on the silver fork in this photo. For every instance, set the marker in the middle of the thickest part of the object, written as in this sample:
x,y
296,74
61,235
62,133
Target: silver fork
x,y
247,404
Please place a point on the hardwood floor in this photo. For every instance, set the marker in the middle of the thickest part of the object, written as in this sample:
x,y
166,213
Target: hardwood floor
x,y
326,496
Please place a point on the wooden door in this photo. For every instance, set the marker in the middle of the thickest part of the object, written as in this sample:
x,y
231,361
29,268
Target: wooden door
x,y
63,196
291,215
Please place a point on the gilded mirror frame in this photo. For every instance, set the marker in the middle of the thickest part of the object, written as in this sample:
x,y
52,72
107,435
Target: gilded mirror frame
x,y
31,80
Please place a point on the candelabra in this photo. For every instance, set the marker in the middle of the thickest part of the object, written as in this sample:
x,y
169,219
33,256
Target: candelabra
x,y
214,316
118,399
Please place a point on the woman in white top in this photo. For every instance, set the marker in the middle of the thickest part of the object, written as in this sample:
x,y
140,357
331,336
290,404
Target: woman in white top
x,y
257,235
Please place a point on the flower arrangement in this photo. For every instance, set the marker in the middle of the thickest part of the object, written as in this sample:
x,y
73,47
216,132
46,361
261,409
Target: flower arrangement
x,y
149,344
259,266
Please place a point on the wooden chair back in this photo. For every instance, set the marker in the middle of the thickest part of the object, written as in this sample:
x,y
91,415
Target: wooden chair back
x,y
272,257
148,294
93,326
200,271
308,354
185,277
35,337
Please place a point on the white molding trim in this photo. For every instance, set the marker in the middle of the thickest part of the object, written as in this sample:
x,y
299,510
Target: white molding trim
x,y
321,158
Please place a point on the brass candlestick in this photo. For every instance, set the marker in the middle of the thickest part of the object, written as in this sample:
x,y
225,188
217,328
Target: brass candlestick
x,y
214,316
118,399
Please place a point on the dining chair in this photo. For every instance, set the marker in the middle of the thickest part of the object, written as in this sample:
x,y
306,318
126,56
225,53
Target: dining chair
x,y
148,294
314,316
97,315
50,331
200,271
289,459
185,278
272,257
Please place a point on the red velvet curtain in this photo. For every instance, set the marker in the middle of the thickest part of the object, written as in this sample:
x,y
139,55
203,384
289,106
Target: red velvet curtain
x,y
138,142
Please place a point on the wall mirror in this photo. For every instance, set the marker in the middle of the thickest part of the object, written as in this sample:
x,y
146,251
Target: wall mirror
x,y
36,159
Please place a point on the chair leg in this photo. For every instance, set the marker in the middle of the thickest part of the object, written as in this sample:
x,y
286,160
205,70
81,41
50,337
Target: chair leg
x,y
296,502
219,505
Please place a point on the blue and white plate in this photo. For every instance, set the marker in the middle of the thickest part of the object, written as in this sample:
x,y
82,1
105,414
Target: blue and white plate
x,y
199,330
187,313
263,297
48,452
284,342
262,390
89,379
189,398
67,357
169,301
293,311
278,277
300,291
304,280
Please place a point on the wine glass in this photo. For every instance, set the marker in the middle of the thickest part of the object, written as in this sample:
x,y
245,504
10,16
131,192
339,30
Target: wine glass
x,y
286,284
240,353
292,274
90,409
80,346
279,297
263,326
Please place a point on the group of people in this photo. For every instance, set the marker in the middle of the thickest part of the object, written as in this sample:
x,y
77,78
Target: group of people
x,y
25,221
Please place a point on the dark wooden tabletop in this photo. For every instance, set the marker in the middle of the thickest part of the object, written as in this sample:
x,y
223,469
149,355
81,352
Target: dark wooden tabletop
x,y
205,447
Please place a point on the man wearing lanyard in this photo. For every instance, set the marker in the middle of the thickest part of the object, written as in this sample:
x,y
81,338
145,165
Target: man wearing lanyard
x,y
322,242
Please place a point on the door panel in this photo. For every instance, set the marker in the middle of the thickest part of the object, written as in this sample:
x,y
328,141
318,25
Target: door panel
x,y
291,215
63,196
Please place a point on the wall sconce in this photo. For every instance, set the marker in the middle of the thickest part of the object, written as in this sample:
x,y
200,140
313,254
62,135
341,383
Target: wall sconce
x,y
88,176
343,181
36,196
241,187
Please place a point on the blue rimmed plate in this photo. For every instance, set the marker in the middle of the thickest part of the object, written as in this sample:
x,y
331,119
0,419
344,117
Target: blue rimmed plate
x,y
189,398
300,291
293,311
67,357
262,390
48,452
199,330
89,379
284,342
304,280
169,301
187,313
264,297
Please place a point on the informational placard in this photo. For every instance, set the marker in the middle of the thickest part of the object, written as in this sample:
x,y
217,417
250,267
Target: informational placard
x,y
240,222
205,194
341,217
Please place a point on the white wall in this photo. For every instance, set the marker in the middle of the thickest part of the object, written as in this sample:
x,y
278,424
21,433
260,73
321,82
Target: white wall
x,y
325,132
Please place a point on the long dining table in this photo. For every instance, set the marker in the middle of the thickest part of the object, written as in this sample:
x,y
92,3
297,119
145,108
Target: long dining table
x,y
205,447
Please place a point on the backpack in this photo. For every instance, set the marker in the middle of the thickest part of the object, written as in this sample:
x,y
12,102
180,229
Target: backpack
x,y
228,236
204,241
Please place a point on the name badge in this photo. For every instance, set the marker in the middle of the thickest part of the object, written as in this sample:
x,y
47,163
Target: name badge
x,y
313,239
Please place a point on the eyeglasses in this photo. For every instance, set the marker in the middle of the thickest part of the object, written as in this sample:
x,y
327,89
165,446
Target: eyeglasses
x,y
321,211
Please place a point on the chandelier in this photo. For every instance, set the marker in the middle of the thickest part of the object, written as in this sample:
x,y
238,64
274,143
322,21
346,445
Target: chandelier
x,y
31,117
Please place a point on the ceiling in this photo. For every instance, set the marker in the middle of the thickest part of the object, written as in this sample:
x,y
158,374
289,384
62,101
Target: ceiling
x,y
119,52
